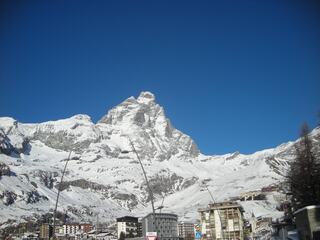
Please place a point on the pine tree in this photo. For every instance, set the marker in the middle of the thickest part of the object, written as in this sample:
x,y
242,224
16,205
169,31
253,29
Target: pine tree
x,y
304,173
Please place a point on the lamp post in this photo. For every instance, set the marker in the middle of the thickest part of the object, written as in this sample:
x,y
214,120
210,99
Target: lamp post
x,y
205,185
57,200
148,186
161,206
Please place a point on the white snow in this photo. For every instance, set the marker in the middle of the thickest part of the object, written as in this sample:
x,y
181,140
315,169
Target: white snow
x,y
109,160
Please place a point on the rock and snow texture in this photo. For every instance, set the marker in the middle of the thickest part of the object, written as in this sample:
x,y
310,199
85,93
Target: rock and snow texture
x,y
145,123
104,176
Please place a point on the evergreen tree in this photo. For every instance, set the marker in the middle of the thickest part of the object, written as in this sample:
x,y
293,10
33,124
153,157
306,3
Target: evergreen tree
x,y
304,173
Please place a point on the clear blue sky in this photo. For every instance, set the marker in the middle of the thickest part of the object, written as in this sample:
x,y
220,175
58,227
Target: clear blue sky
x,y
234,75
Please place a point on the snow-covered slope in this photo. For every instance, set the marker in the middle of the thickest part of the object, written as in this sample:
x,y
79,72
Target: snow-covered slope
x,y
104,176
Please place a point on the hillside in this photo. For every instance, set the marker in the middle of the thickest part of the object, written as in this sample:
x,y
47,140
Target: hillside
x,y
104,177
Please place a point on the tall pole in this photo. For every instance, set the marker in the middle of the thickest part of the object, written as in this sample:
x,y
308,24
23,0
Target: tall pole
x,y
162,202
216,209
97,224
57,200
148,186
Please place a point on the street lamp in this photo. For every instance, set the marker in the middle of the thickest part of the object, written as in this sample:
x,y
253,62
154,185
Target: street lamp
x,y
161,206
148,186
222,232
57,200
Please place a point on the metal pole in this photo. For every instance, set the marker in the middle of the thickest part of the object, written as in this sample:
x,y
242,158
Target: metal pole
x,y
162,203
148,186
96,232
216,209
57,200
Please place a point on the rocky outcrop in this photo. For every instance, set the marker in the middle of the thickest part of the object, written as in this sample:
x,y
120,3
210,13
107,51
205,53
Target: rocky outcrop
x,y
61,140
13,141
123,199
75,133
80,212
5,145
4,170
82,183
45,177
34,197
8,197
189,182
127,200
163,183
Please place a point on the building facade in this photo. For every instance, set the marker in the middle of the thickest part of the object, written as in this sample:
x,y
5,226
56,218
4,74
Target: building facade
x,y
59,232
308,222
45,231
222,221
166,225
186,230
139,229
85,227
128,225
71,229
30,236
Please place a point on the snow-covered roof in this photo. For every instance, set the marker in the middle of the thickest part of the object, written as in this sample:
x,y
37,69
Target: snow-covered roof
x,y
306,208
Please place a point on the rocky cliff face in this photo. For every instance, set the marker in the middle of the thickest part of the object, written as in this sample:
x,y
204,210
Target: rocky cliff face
x,y
104,176
145,123
11,138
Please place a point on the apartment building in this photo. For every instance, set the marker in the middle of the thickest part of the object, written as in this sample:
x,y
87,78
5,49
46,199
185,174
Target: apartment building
x,y
186,230
165,224
45,231
128,225
222,221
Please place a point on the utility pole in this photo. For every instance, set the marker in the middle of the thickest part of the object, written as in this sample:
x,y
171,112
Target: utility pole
x,y
161,206
97,224
57,200
215,209
148,186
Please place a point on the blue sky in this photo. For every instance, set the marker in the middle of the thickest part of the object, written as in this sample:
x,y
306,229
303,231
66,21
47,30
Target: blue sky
x,y
234,75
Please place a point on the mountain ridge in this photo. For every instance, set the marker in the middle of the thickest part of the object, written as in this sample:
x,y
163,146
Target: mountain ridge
x,y
104,176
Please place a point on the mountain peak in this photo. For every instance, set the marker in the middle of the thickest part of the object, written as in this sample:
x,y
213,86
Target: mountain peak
x,y
132,110
152,130
146,97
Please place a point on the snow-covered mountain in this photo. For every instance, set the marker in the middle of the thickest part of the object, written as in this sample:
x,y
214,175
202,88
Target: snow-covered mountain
x,y
104,176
